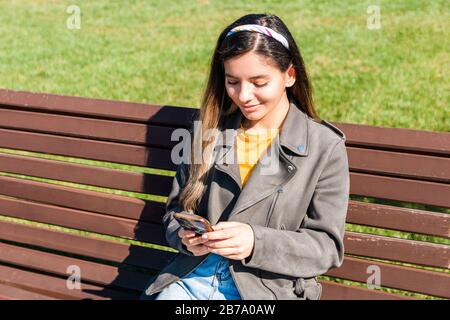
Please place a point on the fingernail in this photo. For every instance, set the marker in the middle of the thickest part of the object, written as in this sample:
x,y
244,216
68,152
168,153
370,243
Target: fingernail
x,y
204,236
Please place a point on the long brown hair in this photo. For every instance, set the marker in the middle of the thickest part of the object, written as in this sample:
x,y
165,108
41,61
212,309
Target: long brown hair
x,y
216,104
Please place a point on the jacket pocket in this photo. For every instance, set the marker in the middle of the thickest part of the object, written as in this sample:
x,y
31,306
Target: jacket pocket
x,y
308,288
281,286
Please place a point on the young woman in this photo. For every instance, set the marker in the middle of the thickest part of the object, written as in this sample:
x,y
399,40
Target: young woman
x,y
277,226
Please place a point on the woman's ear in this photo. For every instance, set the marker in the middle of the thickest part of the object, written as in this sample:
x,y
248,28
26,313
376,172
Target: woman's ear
x,y
290,76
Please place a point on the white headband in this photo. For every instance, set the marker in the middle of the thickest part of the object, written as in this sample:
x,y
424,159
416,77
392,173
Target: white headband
x,y
261,29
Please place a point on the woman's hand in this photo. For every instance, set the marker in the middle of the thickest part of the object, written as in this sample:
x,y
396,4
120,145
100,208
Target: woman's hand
x,y
193,243
233,240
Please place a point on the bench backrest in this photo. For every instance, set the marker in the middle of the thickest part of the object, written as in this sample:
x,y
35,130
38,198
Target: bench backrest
x,y
36,260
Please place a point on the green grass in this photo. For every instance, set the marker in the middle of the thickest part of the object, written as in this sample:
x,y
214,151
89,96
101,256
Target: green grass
x,y
159,51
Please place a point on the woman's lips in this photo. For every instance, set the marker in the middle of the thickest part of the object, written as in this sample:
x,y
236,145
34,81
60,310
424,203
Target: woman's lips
x,y
251,107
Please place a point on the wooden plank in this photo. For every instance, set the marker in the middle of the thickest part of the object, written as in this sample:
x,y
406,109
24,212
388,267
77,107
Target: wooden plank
x,y
402,165
397,218
81,127
84,174
395,249
57,288
337,291
399,189
97,108
88,149
82,199
394,276
84,220
91,272
91,247
420,141
13,293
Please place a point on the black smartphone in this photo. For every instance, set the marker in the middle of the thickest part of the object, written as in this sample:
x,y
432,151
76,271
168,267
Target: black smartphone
x,y
193,222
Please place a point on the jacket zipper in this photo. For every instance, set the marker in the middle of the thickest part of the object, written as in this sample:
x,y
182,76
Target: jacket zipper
x,y
269,215
272,205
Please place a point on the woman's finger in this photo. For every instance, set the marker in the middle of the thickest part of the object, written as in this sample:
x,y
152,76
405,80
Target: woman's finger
x,y
199,250
195,241
219,234
219,244
225,251
183,233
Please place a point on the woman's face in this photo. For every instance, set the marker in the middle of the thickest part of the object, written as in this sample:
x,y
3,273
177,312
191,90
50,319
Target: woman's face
x,y
258,88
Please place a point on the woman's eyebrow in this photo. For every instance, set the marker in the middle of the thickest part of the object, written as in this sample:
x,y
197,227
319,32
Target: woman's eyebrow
x,y
251,78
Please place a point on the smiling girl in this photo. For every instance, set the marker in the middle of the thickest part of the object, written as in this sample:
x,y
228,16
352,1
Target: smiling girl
x,y
273,233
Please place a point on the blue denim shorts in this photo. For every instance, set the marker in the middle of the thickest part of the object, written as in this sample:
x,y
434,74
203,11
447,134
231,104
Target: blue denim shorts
x,y
211,280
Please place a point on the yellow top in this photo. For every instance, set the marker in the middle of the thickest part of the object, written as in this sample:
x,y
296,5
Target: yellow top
x,y
250,147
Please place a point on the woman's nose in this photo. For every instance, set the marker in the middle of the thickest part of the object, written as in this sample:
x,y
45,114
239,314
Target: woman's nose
x,y
245,93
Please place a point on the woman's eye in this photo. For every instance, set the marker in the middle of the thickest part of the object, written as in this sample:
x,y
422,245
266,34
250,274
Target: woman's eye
x,y
261,85
232,83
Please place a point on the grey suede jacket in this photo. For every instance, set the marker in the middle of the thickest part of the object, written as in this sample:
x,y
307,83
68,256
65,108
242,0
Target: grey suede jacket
x,y
297,212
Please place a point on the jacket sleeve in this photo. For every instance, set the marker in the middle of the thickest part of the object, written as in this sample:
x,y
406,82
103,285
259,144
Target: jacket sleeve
x,y
172,206
317,245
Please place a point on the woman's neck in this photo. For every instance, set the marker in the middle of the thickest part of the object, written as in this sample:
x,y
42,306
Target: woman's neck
x,y
272,120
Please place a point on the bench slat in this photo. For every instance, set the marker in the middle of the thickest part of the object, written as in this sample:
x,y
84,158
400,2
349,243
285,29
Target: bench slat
x,y
397,218
398,189
106,130
395,276
57,288
82,199
403,165
395,249
87,149
98,108
337,291
84,174
91,247
83,220
13,293
421,141
92,272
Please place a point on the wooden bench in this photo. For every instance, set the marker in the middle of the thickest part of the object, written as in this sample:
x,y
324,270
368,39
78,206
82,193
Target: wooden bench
x,y
36,260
